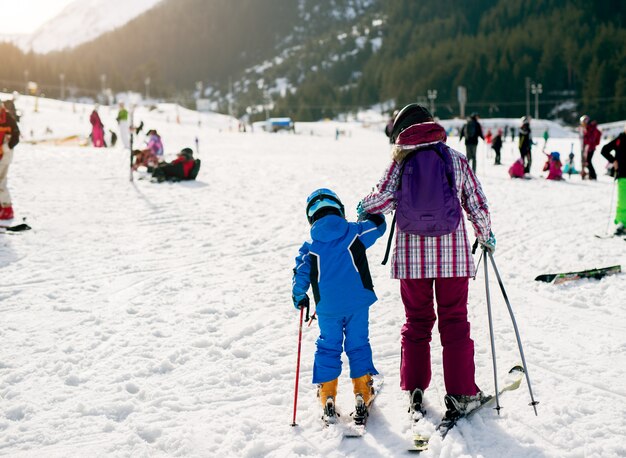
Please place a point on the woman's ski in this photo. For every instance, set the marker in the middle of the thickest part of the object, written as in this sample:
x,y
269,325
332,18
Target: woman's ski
x,y
420,442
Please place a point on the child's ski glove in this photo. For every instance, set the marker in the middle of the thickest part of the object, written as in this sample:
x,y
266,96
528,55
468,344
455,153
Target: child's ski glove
x,y
361,214
300,301
490,243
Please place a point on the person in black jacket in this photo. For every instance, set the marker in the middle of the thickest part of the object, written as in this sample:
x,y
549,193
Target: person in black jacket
x,y
618,145
9,138
472,131
525,144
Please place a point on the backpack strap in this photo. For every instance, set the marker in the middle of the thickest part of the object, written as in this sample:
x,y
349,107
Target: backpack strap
x,y
388,249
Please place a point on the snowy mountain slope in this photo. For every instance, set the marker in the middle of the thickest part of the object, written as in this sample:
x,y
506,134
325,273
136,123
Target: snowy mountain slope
x,y
156,320
82,21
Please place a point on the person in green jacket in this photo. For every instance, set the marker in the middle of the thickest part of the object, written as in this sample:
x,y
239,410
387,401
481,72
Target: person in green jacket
x,y
122,122
618,144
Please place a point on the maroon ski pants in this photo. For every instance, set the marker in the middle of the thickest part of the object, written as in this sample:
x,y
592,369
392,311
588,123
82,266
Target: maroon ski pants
x,y
454,330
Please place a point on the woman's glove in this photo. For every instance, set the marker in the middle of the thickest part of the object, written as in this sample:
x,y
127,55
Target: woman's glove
x,y
490,243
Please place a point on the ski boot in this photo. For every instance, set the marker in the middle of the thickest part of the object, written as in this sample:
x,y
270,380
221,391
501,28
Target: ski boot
x,y
363,395
416,408
459,406
327,392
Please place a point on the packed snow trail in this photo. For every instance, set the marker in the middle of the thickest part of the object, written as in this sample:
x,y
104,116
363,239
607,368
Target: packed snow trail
x,y
146,319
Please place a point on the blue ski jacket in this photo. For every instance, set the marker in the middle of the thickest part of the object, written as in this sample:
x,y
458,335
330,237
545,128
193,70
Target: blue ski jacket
x,y
335,265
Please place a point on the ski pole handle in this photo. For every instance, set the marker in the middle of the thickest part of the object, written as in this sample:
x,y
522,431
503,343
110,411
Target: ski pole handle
x,y
474,246
295,396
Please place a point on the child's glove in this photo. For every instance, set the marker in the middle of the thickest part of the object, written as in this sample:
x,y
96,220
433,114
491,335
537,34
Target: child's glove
x,y
361,214
300,301
490,243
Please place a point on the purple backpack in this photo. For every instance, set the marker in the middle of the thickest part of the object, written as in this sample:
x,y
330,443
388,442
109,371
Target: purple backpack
x,y
427,202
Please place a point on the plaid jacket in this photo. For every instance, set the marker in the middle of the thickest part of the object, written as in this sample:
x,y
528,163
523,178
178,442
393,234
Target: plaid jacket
x,y
416,256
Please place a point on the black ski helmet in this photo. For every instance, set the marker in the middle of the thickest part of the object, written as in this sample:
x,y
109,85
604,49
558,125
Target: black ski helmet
x,y
187,152
413,113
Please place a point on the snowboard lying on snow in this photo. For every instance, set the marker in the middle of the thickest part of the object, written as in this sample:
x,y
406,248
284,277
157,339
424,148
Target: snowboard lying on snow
x,y
569,276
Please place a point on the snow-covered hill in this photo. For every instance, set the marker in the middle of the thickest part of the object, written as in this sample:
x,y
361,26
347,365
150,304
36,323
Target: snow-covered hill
x,y
155,320
81,21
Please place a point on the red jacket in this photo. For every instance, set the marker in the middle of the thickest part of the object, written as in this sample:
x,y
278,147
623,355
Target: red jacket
x,y
592,136
8,126
187,164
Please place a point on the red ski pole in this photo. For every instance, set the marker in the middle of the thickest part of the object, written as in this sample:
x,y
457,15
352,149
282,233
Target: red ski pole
x,y
295,396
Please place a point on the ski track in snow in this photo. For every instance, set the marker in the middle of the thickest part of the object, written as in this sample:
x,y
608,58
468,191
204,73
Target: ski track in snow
x,y
145,319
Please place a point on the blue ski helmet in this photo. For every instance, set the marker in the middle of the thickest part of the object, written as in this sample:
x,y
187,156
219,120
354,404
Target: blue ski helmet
x,y
321,198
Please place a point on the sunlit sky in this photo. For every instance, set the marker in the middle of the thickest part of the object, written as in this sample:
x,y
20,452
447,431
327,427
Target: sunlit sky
x,y
24,16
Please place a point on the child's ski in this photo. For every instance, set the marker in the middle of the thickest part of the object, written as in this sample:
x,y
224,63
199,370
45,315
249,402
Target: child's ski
x,y
362,412
569,276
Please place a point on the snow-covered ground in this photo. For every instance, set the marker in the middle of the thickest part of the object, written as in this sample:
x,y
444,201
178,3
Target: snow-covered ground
x,y
143,319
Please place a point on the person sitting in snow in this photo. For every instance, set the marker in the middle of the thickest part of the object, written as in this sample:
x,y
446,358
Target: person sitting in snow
x,y
181,168
517,169
152,154
553,166
334,264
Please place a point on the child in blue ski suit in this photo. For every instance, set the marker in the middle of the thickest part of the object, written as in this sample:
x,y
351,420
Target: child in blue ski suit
x,y
335,265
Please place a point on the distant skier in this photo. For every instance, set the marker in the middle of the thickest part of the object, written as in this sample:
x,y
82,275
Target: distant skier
x,y
9,138
591,138
124,126
97,129
570,168
428,184
525,144
618,145
389,125
496,145
472,131
334,264
113,137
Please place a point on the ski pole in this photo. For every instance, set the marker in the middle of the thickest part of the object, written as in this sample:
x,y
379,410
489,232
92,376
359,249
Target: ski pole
x,y
493,346
131,156
533,403
295,396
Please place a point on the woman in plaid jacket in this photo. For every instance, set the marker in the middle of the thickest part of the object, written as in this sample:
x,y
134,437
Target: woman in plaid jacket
x,y
443,264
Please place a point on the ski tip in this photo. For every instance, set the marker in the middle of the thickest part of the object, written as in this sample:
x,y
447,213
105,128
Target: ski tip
x,y
517,368
17,228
